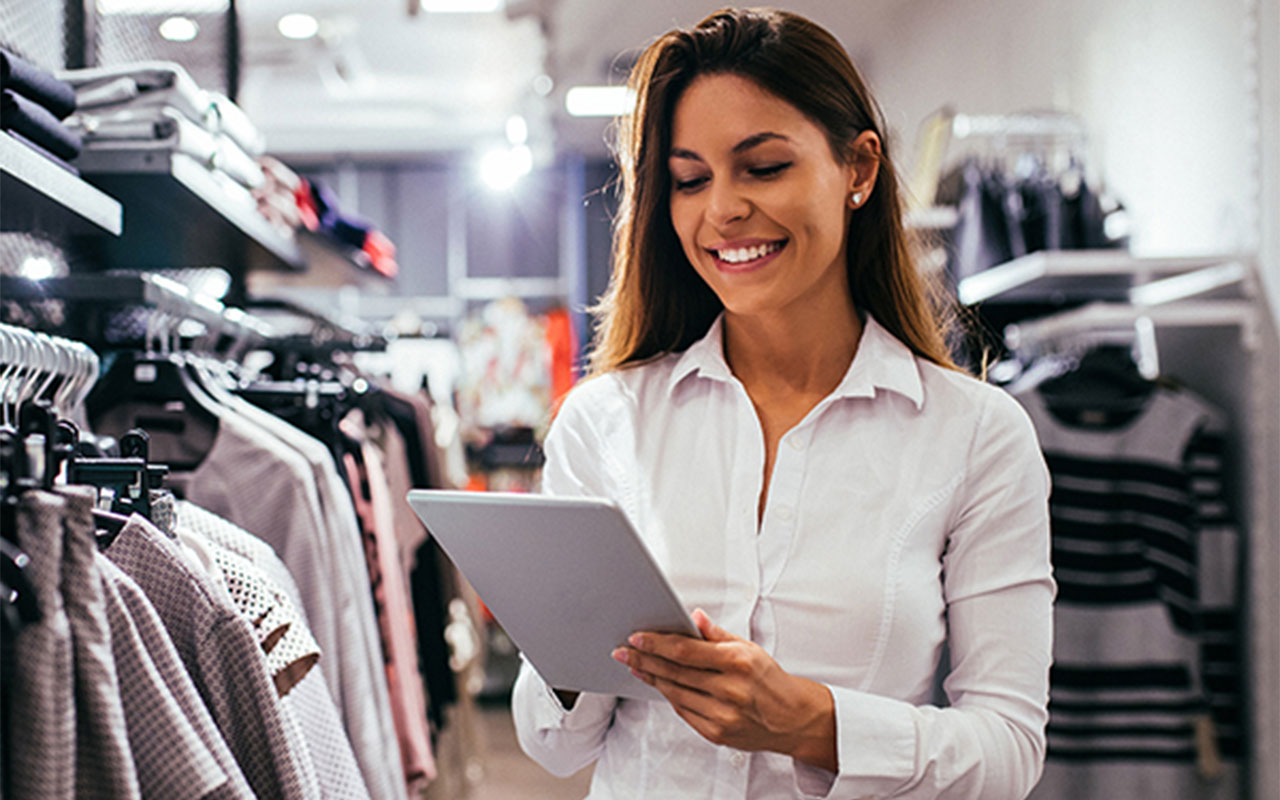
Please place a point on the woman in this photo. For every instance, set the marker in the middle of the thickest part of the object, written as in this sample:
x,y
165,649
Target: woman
x,y
774,408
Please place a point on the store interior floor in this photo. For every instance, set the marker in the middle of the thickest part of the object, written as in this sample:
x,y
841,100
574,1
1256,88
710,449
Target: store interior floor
x,y
509,773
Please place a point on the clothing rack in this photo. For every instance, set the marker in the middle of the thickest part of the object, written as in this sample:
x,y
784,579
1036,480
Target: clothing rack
x,y
32,362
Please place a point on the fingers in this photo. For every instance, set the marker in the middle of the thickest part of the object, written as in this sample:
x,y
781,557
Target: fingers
x,y
710,631
656,666
681,649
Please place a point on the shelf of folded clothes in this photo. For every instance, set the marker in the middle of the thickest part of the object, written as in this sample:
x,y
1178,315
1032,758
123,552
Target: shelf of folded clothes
x,y
1072,276
182,160
38,194
182,213
41,190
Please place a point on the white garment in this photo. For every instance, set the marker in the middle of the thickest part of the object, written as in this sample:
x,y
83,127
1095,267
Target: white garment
x,y
907,511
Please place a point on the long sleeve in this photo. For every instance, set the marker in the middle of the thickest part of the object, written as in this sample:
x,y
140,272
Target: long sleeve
x,y
989,743
564,741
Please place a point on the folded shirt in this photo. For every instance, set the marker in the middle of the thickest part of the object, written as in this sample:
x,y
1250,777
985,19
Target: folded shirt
x,y
37,124
233,122
166,128
159,83
36,84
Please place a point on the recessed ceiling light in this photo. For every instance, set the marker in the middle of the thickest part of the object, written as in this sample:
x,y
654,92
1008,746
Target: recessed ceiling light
x,y
461,6
179,29
298,26
517,129
599,101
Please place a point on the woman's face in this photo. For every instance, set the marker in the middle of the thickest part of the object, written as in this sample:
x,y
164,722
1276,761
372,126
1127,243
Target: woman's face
x,y
758,201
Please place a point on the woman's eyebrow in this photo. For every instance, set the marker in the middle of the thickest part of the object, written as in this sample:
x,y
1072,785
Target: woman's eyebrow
x,y
746,144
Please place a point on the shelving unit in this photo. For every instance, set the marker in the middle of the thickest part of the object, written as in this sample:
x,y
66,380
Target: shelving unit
x,y
144,289
36,194
1078,275
180,213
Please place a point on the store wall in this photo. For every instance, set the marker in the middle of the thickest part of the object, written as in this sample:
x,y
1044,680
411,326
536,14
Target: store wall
x,y
1161,86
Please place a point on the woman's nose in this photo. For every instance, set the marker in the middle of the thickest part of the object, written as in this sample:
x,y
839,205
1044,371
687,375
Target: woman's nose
x,y
726,203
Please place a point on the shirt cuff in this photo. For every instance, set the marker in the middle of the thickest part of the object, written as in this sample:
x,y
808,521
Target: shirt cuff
x,y
587,711
875,745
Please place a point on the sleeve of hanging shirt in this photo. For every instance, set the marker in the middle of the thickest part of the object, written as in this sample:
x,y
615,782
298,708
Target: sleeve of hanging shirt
x,y
989,744
564,741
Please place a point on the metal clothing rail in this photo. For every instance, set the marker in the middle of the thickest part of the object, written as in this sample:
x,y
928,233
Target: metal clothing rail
x,y
1025,336
1021,126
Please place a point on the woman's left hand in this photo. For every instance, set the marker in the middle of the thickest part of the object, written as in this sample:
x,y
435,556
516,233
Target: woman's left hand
x,y
733,693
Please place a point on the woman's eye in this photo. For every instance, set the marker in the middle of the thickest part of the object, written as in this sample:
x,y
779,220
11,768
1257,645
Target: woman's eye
x,y
692,183
769,171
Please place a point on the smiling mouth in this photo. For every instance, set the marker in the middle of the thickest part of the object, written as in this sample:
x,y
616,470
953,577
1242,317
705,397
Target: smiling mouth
x,y
747,257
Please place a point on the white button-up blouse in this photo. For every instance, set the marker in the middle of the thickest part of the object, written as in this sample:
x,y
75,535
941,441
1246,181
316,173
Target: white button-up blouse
x,y
905,539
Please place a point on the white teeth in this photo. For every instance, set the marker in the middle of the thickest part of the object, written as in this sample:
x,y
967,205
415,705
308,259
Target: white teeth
x,y
742,254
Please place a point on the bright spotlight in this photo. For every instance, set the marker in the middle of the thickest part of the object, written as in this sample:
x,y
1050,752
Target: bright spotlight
x,y
179,29
502,167
298,26
36,268
517,129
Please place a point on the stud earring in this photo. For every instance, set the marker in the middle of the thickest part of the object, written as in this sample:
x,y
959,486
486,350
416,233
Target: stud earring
x,y
856,199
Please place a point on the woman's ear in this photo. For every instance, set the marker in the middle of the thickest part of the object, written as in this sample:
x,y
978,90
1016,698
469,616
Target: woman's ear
x,y
864,166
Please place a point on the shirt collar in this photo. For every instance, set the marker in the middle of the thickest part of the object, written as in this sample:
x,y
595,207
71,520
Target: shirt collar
x,y
882,362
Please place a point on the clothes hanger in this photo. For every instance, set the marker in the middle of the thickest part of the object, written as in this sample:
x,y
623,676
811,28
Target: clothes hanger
x,y
171,402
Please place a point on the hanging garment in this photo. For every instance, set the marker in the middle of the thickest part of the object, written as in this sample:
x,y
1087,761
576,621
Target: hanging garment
x,y
251,478
431,592
225,661
136,624
354,667
43,710
1130,698
104,766
392,605
336,768
36,84
171,757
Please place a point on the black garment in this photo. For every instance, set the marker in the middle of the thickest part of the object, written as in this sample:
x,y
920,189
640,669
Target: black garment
x,y
430,604
36,123
57,97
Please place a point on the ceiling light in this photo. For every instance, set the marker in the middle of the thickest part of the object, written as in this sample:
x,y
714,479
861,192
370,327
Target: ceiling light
x,y
517,129
461,6
298,26
163,7
501,168
36,268
543,84
179,29
599,101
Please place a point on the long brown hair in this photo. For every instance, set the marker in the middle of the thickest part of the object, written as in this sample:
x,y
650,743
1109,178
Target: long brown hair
x,y
656,303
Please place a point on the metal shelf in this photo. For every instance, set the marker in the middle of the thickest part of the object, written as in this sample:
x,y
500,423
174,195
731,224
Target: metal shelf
x,y
36,194
138,289
1078,275
181,213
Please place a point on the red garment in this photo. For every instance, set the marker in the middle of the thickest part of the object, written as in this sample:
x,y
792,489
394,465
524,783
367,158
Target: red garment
x,y
563,347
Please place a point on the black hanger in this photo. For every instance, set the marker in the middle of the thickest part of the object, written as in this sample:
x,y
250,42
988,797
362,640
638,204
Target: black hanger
x,y
170,403
108,525
1104,389
130,477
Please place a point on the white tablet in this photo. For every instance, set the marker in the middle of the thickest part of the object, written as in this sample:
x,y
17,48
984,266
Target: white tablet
x,y
568,578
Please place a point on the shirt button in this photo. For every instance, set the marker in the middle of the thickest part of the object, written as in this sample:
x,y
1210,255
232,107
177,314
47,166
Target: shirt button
x,y
785,513
739,760
796,443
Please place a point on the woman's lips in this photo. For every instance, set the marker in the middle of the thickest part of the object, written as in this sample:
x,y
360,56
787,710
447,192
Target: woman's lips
x,y
740,267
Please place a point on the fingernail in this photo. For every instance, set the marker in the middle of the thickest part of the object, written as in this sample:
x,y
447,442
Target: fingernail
x,y
620,654
636,640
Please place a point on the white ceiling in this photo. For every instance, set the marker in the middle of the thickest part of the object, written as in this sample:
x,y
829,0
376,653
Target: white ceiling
x,y
379,81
